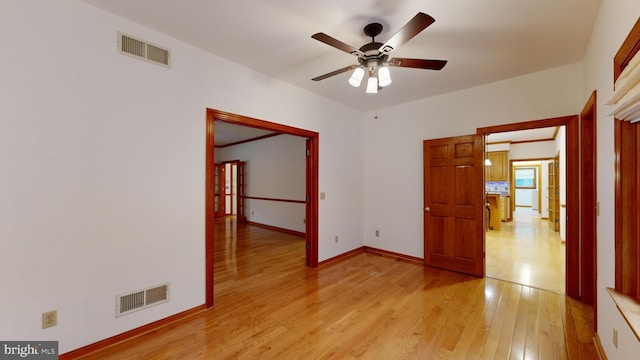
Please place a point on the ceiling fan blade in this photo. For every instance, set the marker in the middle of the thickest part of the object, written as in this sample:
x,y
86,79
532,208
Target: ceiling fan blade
x,y
418,63
411,29
322,37
333,73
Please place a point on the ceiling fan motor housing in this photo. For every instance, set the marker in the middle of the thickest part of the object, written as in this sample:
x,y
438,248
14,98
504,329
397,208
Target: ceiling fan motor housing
x,y
372,56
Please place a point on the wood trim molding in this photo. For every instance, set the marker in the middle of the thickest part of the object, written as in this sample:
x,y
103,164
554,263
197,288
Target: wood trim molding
x,y
275,228
532,141
128,335
396,255
533,159
260,124
275,199
627,188
629,308
209,213
602,355
343,256
526,125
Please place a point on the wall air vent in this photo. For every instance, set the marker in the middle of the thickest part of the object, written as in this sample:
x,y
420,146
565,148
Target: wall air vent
x,y
141,49
140,299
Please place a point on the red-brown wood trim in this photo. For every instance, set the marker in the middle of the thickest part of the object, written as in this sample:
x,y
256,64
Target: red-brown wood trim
x,y
275,199
249,140
573,181
531,159
209,212
628,49
398,256
276,228
313,139
602,355
527,125
531,141
260,124
313,152
627,185
499,142
343,256
139,331
588,218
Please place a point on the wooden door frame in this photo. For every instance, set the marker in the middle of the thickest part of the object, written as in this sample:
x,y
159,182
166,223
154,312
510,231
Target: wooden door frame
x,y
588,196
572,266
311,232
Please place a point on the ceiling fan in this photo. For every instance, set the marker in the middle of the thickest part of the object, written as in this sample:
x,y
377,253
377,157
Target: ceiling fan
x,y
373,57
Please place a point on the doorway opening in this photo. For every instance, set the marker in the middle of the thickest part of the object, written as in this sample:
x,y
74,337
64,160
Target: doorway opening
x,y
229,187
527,247
311,181
572,200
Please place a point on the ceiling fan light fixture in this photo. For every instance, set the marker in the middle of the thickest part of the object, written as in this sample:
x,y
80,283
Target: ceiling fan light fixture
x,y
372,84
384,76
356,77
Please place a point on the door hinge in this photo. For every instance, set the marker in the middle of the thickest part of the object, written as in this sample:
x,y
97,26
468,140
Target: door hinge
x,y
308,199
308,152
308,246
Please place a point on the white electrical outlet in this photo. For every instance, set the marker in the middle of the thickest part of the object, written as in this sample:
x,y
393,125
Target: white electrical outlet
x,y
615,338
49,319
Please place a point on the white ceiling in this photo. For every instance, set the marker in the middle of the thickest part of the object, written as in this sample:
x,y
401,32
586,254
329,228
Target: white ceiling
x,y
523,135
484,41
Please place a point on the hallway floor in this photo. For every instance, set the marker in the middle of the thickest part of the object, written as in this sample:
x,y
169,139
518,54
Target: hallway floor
x,y
525,251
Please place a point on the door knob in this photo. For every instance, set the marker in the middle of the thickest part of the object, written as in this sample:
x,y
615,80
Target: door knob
x,y
427,209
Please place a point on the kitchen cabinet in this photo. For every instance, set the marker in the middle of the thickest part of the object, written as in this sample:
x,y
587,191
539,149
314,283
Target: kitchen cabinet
x,y
493,211
503,208
499,168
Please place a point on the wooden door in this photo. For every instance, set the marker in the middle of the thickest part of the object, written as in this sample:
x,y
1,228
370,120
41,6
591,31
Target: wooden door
x,y
218,189
552,197
554,194
241,217
454,203
588,207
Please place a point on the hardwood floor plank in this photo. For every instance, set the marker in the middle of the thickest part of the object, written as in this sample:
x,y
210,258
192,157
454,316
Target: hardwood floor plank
x,y
268,305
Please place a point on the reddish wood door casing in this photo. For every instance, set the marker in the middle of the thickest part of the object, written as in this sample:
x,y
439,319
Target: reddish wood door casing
x,y
453,204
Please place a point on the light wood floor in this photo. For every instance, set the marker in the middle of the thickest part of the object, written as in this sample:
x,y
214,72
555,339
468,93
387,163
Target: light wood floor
x,y
527,252
268,305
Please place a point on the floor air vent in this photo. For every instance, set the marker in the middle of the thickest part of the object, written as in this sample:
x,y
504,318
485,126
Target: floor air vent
x,y
140,299
141,49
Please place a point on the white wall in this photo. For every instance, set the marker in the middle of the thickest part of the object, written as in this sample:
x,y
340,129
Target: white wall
x,y
102,155
275,168
615,20
561,150
393,202
103,163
